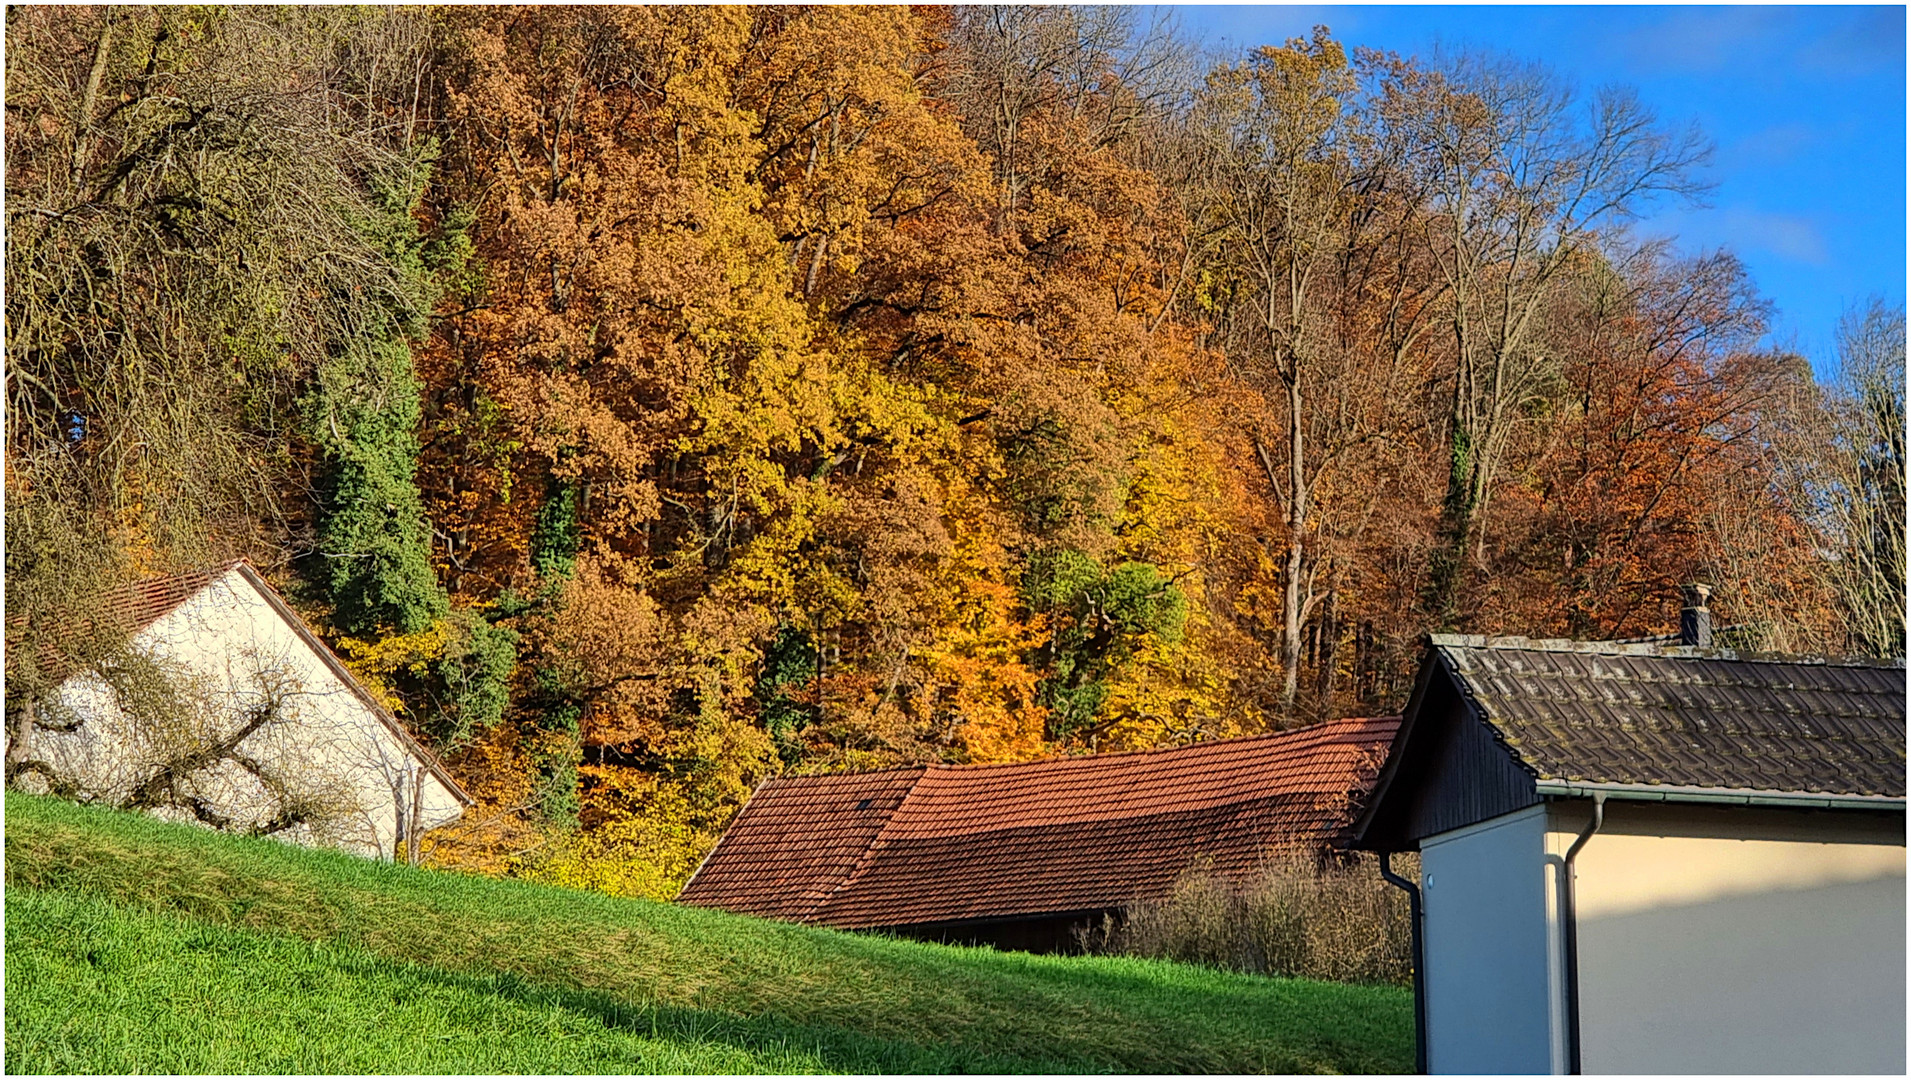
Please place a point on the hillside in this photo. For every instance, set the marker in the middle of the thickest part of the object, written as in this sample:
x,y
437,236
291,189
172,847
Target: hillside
x,y
681,396
136,946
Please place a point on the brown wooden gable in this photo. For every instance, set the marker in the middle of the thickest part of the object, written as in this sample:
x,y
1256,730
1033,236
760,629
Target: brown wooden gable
x,y
1446,769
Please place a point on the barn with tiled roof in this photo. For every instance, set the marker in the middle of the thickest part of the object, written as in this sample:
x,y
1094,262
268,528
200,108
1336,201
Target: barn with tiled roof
x,y
1017,854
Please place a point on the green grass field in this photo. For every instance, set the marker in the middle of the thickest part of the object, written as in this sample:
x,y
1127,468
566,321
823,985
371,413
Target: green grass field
x,y
135,946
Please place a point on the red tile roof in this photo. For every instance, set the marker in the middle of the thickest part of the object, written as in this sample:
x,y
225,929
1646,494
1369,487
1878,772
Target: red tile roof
x,y
127,609
144,603
950,843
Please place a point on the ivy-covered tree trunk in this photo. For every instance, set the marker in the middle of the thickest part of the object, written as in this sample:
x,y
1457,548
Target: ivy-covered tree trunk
x,y
363,414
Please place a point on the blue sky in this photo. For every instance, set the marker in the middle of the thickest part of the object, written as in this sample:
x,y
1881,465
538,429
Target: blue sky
x,y
1806,106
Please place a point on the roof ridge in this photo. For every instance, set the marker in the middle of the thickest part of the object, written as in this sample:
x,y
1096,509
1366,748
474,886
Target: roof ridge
x,y
1664,652
1304,729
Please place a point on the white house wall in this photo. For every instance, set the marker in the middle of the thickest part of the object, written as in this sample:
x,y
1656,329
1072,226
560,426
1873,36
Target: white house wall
x,y
230,644
1736,940
1490,963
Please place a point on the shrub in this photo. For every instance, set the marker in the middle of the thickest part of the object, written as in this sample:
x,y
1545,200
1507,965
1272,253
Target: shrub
x,y
638,836
1297,915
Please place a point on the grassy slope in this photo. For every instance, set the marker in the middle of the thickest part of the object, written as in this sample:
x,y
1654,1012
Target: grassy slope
x,y
134,946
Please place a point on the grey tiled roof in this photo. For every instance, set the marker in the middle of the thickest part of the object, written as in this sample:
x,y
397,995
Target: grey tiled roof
x,y
1639,714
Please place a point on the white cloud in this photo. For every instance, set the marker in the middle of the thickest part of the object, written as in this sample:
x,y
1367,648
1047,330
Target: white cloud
x,y
1793,238
1789,235
1774,145
1867,40
1696,40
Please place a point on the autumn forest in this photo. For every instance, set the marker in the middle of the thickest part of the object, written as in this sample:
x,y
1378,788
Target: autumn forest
x,y
649,401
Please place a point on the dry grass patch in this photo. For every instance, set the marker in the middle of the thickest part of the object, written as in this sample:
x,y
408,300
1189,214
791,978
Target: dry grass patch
x,y
1298,916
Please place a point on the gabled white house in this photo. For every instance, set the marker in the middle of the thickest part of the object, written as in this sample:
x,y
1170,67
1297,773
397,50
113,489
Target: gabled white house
x,y
1651,860
227,710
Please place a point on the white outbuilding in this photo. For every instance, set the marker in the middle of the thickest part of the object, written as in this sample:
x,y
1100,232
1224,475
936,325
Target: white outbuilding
x,y
1646,859
224,708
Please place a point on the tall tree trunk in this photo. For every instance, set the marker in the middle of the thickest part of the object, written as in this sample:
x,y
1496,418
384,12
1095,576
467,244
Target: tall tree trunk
x,y
1291,629
1325,658
83,129
1293,603
1440,601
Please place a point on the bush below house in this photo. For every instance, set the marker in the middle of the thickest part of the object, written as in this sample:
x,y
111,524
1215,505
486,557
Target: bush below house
x,y
1336,920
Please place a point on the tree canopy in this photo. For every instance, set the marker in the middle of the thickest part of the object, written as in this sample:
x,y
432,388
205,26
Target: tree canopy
x,y
646,401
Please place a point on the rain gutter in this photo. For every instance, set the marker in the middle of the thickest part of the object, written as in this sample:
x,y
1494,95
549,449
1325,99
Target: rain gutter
x,y
1419,963
1569,919
1571,789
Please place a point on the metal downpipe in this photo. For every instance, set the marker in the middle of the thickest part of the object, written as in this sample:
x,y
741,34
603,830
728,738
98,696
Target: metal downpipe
x,y
1569,917
1419,960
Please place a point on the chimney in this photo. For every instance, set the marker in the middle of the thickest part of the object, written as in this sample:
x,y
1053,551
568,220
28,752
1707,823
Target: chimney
x,y
1695,619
